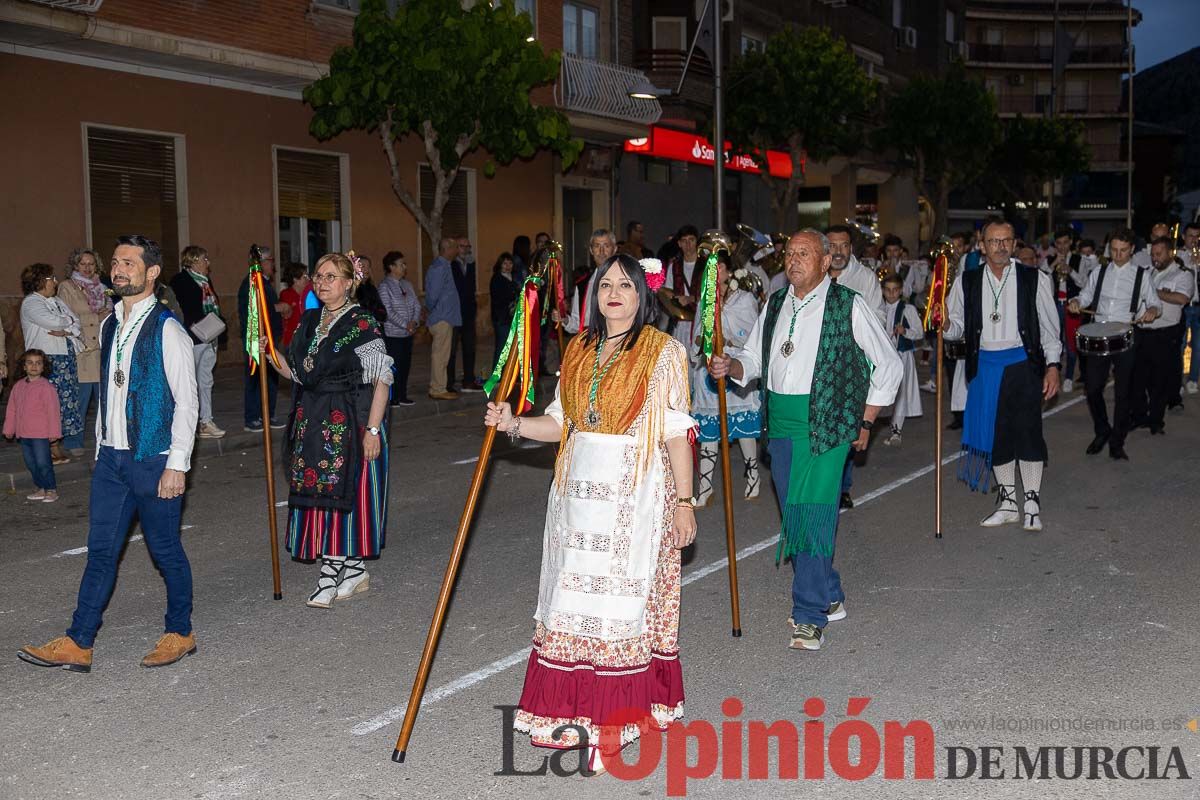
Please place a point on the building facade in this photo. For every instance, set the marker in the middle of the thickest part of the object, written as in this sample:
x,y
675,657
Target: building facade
x,y
1012,46
184,121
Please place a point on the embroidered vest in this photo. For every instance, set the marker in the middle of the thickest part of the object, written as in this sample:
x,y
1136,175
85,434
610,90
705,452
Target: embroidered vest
x,y
903,343
1027,315
149,406
1133,300
841,374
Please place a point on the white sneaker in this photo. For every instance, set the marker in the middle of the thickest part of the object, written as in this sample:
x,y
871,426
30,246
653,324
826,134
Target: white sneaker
x,y
1068,385
837,611
1192,387
1001,516
893,439
209,430
40,494
929,386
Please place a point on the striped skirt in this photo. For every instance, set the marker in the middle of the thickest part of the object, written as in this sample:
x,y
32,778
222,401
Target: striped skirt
x,y
359,533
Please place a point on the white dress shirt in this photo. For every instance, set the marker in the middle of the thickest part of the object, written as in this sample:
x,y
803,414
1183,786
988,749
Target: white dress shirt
x,y
862,280
181,378
1192,264
793,374
1172,279
40,315
1004,333
1117,292
916,282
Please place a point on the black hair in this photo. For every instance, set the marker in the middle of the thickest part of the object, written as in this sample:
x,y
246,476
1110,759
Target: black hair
x,y
1061,232
151,252
33,277
647,308
1192,226
840,228
1165,241
389,259
892,240
523,249
963,236
1125,235
1087,243
33,351
500,261
629,226
687,230
892,277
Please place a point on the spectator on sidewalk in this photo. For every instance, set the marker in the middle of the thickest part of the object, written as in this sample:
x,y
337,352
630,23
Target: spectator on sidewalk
x,y
399,299
463,269
295,275
522,250
50,326
276,313
503,291
441,301
197,299
86,296
33,417
368,294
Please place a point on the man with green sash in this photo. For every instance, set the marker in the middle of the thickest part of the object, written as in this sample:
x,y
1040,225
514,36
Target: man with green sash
x,y
827,368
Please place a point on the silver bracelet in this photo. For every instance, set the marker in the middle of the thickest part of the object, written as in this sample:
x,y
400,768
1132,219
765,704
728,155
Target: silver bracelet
x,y
514,432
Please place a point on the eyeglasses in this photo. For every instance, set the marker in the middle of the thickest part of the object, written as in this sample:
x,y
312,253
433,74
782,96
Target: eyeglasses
x,y
326,277
999,242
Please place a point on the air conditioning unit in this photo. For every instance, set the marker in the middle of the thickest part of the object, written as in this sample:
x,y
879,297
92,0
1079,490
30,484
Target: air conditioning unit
x,y
908,37
964,50
1016,79
726,9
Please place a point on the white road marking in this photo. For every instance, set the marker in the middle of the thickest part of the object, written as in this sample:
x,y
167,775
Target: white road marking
x,y
526,446
521,656
78,551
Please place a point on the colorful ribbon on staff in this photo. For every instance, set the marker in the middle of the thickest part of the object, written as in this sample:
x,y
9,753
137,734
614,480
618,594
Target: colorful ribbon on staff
x,y
935,308
256,311
710,302
523,342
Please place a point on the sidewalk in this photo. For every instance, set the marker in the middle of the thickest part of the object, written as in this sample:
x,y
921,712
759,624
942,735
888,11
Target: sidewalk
x,y
228,394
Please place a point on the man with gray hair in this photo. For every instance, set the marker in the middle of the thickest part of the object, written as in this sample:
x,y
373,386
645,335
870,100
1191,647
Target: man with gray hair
x,y
445,314
600,248
826,368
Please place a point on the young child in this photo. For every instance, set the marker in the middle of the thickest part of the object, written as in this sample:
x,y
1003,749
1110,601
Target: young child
x,y
33,417
901,320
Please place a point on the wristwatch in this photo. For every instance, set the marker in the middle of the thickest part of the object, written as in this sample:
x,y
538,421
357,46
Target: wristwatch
x,y
867,424
1055,364
690,502
371,429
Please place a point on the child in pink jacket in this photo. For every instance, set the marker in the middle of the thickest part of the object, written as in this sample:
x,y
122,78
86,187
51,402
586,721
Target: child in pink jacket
x,y
33,417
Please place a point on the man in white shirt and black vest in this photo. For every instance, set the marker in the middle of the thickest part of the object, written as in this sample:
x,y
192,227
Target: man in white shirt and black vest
x,y
1119,291
1006,313
1158,370
145,429
829,369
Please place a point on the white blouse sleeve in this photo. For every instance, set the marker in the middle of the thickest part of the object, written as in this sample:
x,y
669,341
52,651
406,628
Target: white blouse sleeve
x,y
555,409
376,363
673,392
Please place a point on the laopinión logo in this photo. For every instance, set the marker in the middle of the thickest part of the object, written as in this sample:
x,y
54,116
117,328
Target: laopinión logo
x,y
737,749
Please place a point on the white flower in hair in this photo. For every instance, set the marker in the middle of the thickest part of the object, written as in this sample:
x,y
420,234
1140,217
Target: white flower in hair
x,y
651,266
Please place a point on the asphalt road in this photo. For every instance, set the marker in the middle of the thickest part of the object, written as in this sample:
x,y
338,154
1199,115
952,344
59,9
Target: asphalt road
x,y
994,637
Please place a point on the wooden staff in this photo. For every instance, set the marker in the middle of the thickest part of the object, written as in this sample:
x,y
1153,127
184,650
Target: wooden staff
x,y
556,280
268,453
727,483
507,380
937,437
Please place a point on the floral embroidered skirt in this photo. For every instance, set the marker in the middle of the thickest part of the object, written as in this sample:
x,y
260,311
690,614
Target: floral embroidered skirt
x,y
64,374
584,681
358,533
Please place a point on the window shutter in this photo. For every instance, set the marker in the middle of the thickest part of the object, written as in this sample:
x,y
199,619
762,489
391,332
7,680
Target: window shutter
x,y
131,178
310,185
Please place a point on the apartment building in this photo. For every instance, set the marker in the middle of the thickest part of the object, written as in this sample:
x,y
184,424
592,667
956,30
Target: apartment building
x,y
184,121
1011,45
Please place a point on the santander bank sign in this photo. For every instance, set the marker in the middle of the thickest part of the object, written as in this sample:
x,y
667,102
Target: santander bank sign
x,y
682,146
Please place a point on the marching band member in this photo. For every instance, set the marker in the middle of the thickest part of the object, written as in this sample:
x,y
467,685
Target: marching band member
x,y
1013,348
904,324
1159,366
1189,254
683,281
1117,292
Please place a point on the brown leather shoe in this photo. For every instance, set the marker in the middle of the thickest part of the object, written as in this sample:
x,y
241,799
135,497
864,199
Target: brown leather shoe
x,y
60,652
443,395
170,648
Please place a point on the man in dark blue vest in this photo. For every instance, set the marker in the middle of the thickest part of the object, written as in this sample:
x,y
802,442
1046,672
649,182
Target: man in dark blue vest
x,y
1006,313
145,430
826,368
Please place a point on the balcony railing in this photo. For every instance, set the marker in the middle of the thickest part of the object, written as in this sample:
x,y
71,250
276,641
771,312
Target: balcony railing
x,y
602,89
88,6
1044,54
664,67
1029,104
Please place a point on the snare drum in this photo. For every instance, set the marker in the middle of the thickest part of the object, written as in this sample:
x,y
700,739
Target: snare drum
x,y
1103,338
954,348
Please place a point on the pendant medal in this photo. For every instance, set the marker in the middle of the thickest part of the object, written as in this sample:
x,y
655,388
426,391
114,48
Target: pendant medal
x,y
119,378
787,348
592,417
995,316
308,363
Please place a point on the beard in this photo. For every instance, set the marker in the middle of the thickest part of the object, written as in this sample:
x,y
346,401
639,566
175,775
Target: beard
x,y
130,289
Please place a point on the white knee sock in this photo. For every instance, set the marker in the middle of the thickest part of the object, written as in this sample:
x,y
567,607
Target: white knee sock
x,y
749,448
1031,481
897,423
1006,477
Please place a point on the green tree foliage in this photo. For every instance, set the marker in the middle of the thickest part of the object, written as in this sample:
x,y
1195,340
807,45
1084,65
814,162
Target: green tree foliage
x,y
458,79
944,129
1032,151
804,94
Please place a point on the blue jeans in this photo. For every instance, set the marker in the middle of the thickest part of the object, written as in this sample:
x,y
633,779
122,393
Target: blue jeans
x,y
847,473
253,399
122,487
1191,320
37,461
86,392
816,585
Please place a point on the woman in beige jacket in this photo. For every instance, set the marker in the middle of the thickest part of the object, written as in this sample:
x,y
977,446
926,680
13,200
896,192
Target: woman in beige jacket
x,y
87,296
